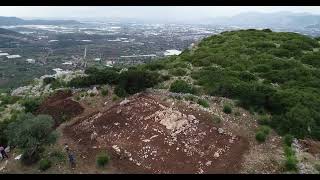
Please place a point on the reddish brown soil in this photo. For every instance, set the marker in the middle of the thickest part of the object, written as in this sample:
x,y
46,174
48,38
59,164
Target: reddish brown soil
x,y
312,147
61,107
147,146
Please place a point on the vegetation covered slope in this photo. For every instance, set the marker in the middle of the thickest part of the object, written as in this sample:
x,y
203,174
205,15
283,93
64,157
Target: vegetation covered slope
x,y
267,72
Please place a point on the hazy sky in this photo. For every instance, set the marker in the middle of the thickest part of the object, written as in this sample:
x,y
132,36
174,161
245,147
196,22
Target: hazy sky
x,y
162,12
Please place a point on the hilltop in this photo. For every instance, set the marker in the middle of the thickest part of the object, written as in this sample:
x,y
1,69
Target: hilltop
x,y
238,102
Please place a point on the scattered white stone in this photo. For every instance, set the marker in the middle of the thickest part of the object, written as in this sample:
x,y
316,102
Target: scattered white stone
x,y
116,148
116,123
216,155
94,135
208,163
220,130
125,101
18,157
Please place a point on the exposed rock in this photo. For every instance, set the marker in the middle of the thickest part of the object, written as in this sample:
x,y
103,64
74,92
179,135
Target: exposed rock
x,y
93,136
216,155
125,101
220,130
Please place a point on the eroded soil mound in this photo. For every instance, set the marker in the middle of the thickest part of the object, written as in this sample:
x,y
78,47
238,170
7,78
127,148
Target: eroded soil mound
x,y
60,106
144,135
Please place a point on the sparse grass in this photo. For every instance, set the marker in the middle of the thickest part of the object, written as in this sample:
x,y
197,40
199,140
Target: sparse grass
x,y
104,91
102,159
237,113
77,98
227,109
216,119
317,166
115,98
265,129
203,103
190,98
263,120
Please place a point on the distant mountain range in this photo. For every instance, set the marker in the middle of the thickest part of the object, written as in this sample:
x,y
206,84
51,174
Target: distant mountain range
x,y
270,20
10,21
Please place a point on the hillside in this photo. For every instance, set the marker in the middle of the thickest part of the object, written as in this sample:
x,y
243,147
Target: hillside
x,y
267,72
10,21
238,102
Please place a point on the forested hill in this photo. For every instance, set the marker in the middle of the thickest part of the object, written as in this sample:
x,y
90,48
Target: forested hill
x,y
275,73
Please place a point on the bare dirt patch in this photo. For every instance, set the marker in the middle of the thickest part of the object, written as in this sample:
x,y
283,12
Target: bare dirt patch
x,y
146,135
61,107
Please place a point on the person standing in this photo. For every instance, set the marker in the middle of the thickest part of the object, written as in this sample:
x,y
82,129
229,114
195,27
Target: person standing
x,y
71,158
3,152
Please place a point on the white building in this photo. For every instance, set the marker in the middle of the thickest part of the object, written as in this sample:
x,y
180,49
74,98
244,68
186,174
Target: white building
x,y
171,52
97,59
67,63
4,54
31,61
13,56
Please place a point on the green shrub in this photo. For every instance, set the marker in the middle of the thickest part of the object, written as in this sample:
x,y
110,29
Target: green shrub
x,y
261,136
190,98
263,120
180,86
57,156
102,159
120,92
227,109
288,151
291,163
77,98
104,92
30,133
265,129
115,98
178,72
288,139
92,94
216,119
48,80
237,113
31,104
203,103
44,164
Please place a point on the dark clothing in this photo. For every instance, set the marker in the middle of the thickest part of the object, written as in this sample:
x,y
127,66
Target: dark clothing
x,y
71,159
4,154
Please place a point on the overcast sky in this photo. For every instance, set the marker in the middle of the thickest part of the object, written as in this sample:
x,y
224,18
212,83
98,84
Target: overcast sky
x,y
163,12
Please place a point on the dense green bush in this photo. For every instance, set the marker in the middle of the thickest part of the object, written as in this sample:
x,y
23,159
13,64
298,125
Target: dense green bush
x,y
291,163
48,80
134,81
263,120
104,92
288,139
203,103
31,104
261,136
178,72
44,164
120,91
227,109
180,86
102,159
30,133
